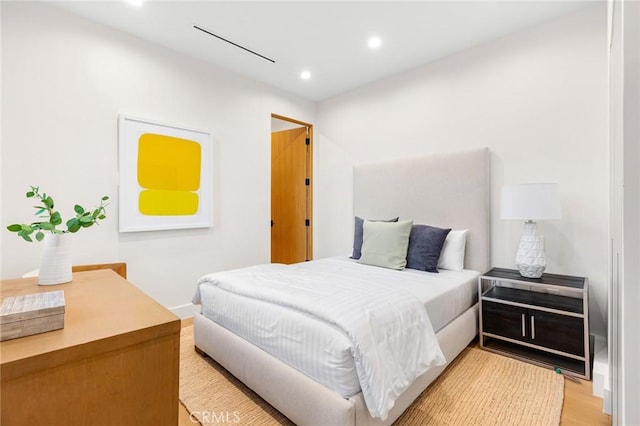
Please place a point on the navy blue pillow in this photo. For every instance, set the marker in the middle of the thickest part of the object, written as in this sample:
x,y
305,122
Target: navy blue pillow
x,y
425,245
357,236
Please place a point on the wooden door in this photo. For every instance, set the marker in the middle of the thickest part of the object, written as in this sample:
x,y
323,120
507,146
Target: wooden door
x,y
290,200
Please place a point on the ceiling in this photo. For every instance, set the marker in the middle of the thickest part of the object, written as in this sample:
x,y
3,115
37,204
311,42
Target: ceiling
x,y
328,39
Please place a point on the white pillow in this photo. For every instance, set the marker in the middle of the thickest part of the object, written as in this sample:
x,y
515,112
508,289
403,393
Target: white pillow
x,y
452,254
385,244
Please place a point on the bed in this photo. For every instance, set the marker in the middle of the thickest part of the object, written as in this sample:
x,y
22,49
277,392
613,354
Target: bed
x,y
449,190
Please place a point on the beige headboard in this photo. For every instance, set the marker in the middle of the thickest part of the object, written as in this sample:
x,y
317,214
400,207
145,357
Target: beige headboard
x,y
449,190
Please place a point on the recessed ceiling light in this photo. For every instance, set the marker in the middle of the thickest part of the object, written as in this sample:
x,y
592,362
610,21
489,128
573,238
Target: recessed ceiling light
x,y
305,75
136,3
374,42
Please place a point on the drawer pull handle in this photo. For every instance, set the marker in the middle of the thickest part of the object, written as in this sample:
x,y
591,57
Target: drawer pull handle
x,y
524,334
533,327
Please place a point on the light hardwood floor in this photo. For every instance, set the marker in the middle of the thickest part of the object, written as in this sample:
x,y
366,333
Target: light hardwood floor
x,y
579,407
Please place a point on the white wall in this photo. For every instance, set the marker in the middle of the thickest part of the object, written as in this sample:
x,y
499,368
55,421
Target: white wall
x,y
65,80
537,99
624,316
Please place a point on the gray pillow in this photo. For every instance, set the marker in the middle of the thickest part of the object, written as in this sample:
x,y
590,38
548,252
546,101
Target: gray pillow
x,y
357,235
425,245
385,243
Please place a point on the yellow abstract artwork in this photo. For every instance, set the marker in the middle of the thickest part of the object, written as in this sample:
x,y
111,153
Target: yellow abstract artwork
x,y
166,176
169,173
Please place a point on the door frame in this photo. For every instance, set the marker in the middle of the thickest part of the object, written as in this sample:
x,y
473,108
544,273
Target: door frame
x,y
309,207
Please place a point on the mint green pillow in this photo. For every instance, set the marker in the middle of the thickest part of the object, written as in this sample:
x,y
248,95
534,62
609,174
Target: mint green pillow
x,y
385,243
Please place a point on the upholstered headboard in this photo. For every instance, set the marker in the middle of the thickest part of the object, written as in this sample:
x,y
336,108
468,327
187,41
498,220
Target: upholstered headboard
x,y
449,190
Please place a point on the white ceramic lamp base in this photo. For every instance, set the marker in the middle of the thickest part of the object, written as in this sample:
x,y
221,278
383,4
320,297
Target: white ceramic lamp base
x,y
530,255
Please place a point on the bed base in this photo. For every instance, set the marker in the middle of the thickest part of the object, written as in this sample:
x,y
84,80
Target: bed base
x,y
303,400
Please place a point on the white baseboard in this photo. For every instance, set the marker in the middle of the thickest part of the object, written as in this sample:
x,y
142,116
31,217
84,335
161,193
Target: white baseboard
x,y
601,386
606,405
184,311
600,366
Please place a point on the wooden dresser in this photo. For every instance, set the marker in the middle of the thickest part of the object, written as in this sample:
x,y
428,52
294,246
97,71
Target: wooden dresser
x,y
115,362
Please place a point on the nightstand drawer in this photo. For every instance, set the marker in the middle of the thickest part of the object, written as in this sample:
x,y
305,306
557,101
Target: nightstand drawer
x,y
559,332
505,320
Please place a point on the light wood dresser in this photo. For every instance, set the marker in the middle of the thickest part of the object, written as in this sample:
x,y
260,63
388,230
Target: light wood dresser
x,y
115,362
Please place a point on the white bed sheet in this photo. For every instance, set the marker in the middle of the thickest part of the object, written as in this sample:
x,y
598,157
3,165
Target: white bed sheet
x,y
318,349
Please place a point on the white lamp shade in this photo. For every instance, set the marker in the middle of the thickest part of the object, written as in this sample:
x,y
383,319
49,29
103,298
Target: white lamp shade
x,y
531,201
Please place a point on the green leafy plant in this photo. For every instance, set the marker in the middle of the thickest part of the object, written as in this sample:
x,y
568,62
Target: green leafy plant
x,y
46,210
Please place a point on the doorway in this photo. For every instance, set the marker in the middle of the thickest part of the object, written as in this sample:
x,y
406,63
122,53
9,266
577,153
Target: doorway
x,y
291,190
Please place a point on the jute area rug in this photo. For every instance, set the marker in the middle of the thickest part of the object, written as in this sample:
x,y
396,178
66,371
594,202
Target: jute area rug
x,y
478,388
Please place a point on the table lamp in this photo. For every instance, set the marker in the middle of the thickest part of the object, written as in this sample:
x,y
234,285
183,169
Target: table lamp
x,y
530,202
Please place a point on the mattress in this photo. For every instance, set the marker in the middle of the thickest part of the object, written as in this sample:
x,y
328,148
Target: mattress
x,y
318,349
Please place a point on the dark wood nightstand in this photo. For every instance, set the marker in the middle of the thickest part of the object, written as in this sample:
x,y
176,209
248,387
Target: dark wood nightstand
x,y
543,320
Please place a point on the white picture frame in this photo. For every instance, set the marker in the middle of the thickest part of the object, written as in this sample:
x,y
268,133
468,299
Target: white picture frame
x,y
137,142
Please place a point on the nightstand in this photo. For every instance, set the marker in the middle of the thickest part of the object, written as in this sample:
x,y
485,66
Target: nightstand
x,y
543,320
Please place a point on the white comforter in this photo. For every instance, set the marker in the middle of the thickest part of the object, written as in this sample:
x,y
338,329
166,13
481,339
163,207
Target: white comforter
x,y
393,340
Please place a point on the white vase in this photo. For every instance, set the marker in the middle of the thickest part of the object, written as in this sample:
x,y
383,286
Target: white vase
x,y
530,256
55,267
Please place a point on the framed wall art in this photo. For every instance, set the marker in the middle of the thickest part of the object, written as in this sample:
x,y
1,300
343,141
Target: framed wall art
x,y
166,176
